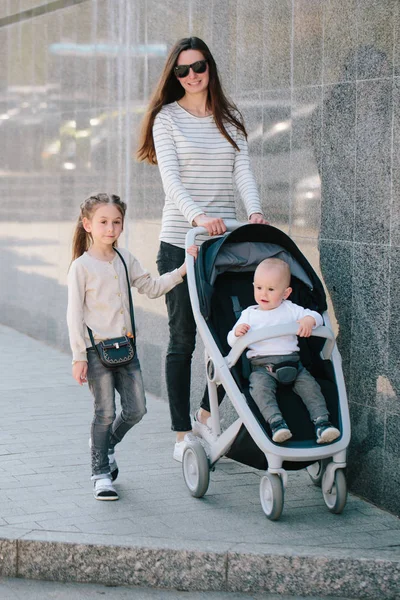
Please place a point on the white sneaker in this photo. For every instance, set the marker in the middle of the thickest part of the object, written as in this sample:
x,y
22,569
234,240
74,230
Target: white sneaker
x,y
104,489
179,449
325,431
202,430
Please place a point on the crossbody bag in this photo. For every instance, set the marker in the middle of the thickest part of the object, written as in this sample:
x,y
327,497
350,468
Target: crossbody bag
x,y
119,351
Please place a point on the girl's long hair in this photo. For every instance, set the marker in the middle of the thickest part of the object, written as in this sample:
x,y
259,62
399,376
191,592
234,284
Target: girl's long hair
x,y
169,90
82,240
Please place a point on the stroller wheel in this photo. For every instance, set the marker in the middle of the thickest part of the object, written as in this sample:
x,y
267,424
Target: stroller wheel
x,y
335,498
271,495
196,470
316,471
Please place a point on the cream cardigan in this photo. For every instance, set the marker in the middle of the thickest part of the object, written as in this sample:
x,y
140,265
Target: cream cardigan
x,y
98,297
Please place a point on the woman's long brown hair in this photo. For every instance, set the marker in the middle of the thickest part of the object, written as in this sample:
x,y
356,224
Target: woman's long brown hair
x,y
169,90
82,239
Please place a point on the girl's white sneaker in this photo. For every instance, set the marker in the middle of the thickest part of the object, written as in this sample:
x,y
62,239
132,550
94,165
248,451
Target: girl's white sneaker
x,y
104,489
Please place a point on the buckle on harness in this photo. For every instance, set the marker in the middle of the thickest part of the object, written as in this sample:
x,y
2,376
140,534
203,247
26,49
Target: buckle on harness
x,y
285,372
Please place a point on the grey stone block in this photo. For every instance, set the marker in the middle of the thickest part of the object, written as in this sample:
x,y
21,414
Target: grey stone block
x,y
305,155
337,162
248,55
8,557
375,50
391,470
307,42
373,147
366,458
275,182
340,40
393,363
298,575
121,565
277,44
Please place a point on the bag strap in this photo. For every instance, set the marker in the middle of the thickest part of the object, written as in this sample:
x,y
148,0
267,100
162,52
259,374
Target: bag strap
x,y
133,340
129,295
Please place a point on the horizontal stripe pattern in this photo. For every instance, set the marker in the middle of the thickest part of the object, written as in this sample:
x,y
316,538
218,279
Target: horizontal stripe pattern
x,y
198,168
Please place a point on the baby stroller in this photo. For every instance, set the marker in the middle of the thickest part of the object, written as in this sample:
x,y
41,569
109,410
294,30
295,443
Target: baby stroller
x,y
220,287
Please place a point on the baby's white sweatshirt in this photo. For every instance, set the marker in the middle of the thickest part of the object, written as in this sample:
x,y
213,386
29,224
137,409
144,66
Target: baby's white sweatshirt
x,y
285,313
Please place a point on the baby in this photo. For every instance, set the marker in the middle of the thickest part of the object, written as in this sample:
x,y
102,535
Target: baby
x,y
278,359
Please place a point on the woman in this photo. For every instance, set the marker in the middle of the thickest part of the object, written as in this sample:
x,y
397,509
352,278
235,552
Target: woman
x,y
198,139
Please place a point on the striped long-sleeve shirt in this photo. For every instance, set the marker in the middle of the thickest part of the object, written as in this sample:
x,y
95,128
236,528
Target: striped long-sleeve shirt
x,y
198,167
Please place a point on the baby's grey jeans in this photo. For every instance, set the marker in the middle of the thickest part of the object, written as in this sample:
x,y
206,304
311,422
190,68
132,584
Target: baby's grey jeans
x,y
107,428
263,385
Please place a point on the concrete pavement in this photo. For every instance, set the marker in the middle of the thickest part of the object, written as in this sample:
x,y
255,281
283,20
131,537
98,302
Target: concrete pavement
x,y
26,589
157,535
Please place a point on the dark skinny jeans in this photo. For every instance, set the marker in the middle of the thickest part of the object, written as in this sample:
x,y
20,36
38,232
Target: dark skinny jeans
x,y
182,339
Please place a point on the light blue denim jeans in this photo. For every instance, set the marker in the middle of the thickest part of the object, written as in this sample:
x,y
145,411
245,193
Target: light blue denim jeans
x,y
263,385
107,428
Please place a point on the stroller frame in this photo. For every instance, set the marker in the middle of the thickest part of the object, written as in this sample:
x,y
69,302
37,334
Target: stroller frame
x,y
327,459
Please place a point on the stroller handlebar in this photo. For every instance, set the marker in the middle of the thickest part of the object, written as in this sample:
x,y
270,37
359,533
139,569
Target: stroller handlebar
x,y
267,332
230,224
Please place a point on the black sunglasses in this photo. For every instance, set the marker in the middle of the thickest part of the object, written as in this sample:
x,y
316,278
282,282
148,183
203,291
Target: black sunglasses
x,y
199,66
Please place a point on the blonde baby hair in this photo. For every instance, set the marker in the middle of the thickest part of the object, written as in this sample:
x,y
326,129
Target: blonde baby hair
x,y
277,264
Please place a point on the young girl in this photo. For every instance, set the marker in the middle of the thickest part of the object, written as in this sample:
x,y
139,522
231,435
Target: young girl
x,y
198,139
98,298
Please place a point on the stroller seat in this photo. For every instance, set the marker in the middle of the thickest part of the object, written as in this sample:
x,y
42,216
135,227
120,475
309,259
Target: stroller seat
x,y
234,293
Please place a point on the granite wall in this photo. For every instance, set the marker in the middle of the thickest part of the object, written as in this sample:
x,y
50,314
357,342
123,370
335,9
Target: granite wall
x,y
318,82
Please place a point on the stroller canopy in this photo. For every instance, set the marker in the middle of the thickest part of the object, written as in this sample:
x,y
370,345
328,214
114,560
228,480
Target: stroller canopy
x,y
242,250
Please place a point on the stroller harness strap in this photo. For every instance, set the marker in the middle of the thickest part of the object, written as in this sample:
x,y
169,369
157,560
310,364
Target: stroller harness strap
x,y
237,309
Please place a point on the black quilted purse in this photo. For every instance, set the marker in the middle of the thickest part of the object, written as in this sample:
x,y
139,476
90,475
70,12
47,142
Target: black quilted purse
x,y
119,351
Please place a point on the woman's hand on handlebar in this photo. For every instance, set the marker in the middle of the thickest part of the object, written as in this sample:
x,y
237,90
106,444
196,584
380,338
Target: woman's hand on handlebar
x,y
213,225
258,218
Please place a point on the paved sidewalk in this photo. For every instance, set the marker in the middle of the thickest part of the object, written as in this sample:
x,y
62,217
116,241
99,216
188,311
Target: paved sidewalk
x,y
157,535
27,589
